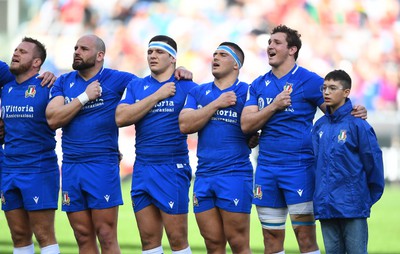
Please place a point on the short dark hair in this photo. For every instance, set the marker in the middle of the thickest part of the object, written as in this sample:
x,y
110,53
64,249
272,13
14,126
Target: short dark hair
x,y
292,37
239,52
40,48
165,39
341,76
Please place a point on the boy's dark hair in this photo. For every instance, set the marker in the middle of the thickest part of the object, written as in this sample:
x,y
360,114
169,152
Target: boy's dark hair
x,y
40,48
239,52
341,76
165,39
292,37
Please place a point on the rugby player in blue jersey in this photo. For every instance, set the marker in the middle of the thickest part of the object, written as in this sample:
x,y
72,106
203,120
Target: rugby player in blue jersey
x,y
161,173
282,104
222,194
30,177
83,103
6,76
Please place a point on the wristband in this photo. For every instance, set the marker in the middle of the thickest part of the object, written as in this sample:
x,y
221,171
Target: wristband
x,y
83,98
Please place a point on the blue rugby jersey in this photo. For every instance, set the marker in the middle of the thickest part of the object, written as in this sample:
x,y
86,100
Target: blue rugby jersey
x,y
286,137
222,146
92,135
5,74
29,141
5,77
158,138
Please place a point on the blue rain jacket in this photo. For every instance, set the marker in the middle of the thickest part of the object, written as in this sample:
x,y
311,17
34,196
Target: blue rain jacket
x,y
349,175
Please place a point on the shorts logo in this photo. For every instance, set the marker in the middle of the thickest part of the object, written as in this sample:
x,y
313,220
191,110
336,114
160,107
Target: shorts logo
x,y
236,201
30,92
36,199
342,136
65,198
257,192
195,200
107,197
300,192
171,204
3,199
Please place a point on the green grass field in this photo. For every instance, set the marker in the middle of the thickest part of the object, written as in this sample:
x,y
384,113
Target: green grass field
x,y
384,230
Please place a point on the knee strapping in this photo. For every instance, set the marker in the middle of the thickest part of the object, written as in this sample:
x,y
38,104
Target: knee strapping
x,y
302,214
272,218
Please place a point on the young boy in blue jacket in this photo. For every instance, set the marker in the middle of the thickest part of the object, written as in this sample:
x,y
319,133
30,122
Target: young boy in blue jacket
x,y
349,170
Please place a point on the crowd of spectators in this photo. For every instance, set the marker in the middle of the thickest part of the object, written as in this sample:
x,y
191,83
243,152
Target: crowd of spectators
x,y
359,36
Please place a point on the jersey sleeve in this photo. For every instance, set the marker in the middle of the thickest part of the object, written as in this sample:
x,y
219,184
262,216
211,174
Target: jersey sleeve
x,y
57,88
191,101
313,89
128,96
5,74
251,98
124,78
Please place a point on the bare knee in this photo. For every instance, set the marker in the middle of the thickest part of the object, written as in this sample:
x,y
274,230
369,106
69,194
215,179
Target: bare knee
x,y
215,245
45,236
239,244
107,236
178,240
84,236
238,240
21,237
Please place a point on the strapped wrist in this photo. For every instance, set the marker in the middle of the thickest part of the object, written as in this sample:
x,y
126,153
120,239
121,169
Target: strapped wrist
x,y
83,98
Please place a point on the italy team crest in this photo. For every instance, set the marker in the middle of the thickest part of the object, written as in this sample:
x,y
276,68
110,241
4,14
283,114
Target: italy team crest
x,y
3,199
195,200
65,198
342,136
31,91
288,87
257,192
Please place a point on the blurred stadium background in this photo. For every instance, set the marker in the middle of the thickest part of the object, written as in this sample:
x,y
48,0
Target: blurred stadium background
x,y
360,36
